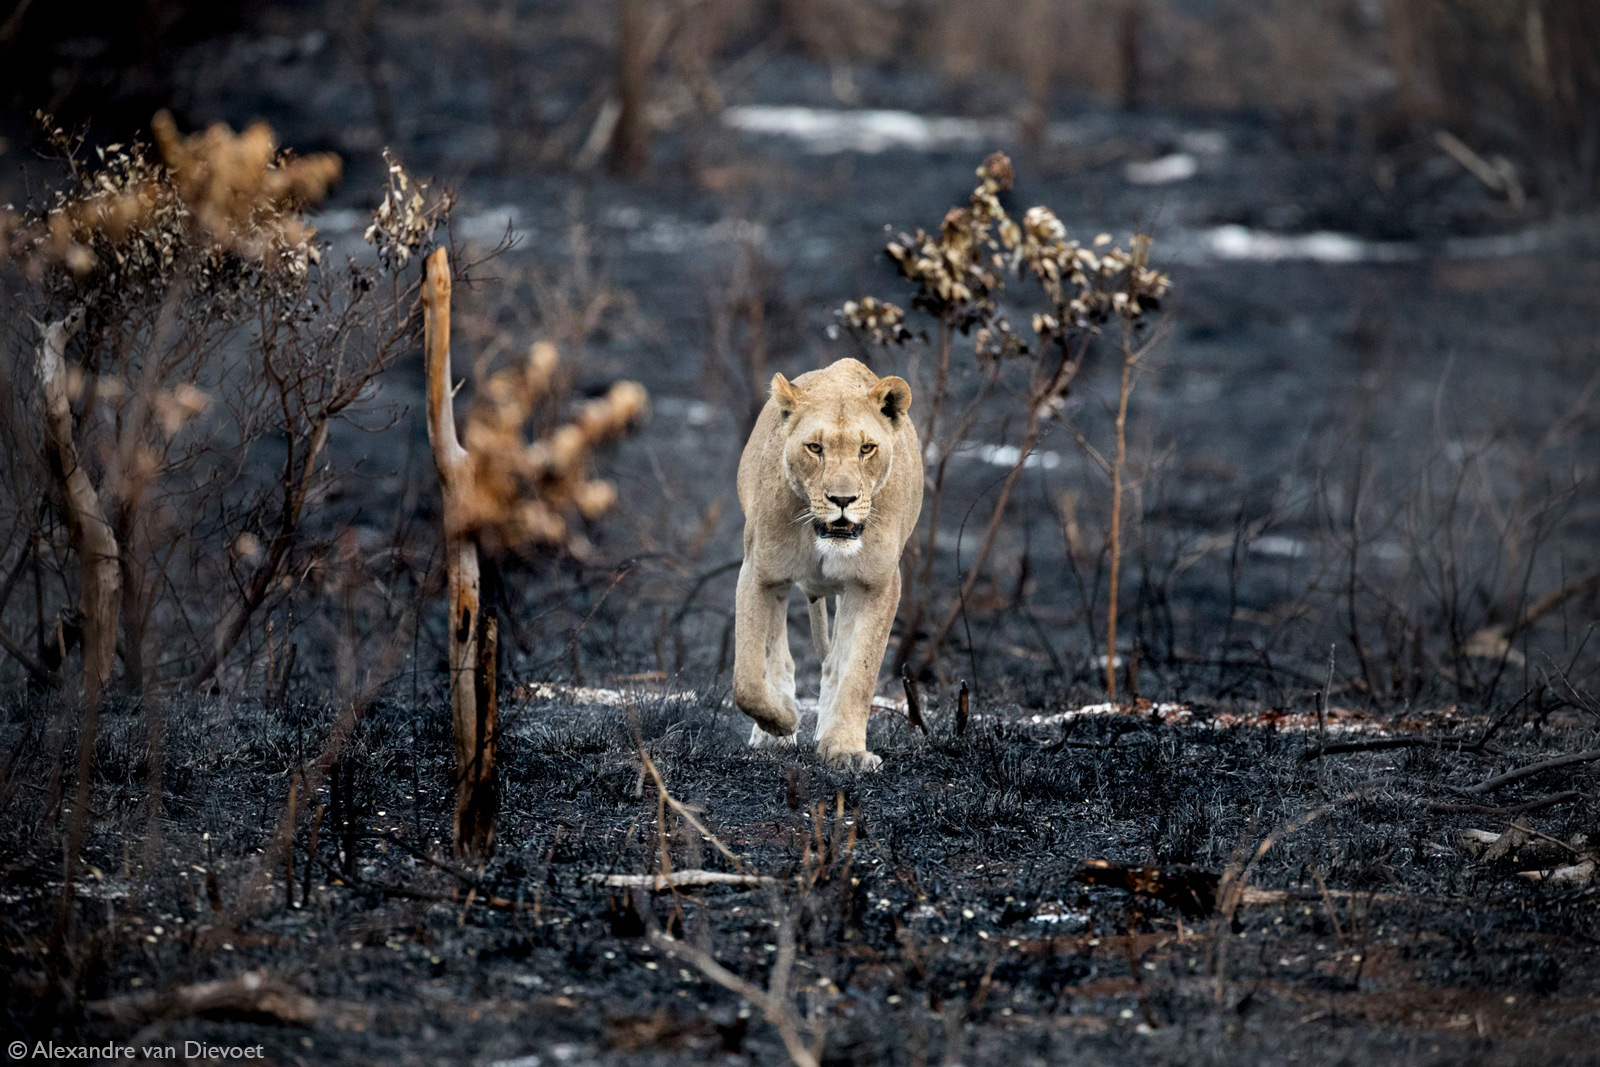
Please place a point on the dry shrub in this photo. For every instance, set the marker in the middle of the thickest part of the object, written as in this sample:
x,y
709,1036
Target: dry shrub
x,y
211,355
959,276
530,492
147,270
221,198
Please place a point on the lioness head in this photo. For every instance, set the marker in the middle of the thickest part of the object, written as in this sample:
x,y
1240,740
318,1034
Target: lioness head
x,y
838,450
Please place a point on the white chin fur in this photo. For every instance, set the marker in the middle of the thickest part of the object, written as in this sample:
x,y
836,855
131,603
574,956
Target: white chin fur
x,y
837,558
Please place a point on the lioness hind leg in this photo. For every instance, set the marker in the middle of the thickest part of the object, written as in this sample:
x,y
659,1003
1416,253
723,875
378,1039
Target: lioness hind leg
x,y
760,630
820,638
833,668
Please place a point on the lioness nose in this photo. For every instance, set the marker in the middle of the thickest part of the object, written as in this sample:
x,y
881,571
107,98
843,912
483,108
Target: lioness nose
x,y
843,501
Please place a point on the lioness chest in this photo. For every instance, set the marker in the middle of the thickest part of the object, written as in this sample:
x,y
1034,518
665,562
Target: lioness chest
x,y
825,570
829,572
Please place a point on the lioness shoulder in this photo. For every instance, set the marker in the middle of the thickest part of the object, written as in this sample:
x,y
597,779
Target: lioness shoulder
x,y
830,483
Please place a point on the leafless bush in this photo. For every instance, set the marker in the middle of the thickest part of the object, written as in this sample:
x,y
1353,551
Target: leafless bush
x,y
212,339
1446,577
676,824
741,341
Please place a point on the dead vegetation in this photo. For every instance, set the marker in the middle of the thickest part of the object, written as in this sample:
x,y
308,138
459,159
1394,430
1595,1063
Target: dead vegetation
x,y
186,325
959,279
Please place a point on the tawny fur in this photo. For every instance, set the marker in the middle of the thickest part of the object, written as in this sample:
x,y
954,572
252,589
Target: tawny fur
x,y
871,460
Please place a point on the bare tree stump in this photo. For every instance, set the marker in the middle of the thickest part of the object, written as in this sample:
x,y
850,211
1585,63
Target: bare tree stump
x,y
474,636
93,541
99,578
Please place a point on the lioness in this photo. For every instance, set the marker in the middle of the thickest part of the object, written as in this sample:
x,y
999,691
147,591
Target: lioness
x,y
830,483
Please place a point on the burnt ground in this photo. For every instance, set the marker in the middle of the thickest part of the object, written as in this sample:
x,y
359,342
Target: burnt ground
x,y
935,911
1402,437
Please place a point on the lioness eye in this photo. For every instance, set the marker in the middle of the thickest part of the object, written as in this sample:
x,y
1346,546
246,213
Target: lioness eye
x,y
815,450
868,449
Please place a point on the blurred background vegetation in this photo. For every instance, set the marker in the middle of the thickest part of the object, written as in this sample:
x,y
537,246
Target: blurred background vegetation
x,y
1512,78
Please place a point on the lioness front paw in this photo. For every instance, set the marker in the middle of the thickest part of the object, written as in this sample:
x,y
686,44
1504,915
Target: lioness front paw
x,y
759,738
848,759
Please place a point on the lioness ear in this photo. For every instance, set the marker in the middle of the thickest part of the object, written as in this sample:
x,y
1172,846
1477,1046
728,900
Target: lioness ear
x,y
786,395
893,397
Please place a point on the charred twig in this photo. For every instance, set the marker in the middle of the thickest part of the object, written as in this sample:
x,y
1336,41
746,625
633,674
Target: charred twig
x,y
475,895
699,583
1500,720
683,811
1502,635
298,480
622,570
963,709
1539,804
1378,744
913,701
1322,704
405,846
288,852
1234,883
1130,357
1327,904
773,1003
311,851
313,778
41,674
1499,781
